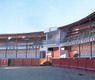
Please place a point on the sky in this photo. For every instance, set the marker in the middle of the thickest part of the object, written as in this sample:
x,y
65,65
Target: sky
x,y
24,16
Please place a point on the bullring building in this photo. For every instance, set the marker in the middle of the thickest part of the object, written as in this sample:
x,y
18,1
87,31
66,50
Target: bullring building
x,y
73,40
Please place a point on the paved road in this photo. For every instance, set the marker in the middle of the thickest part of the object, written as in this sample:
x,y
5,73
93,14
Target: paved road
x,y
43,73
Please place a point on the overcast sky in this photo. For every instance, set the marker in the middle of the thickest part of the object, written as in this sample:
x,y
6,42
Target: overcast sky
x,y
18,16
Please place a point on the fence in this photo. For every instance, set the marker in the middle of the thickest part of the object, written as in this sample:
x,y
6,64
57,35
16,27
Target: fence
x,y
83,63
22,62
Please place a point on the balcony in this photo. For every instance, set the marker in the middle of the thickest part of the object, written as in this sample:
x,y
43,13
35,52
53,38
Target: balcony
x,y
78,38
53,41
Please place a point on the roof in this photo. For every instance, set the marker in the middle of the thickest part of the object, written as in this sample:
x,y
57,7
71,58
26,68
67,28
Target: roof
x,y
89,17
33,34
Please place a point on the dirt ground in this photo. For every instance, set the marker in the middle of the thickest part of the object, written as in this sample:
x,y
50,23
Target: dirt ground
x,y
43,73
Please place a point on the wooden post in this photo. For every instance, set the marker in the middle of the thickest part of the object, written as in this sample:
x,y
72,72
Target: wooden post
x,y
26,49
46,46
79,44
6,50
69,50
36,51
79,50
16,46
89,40
91,49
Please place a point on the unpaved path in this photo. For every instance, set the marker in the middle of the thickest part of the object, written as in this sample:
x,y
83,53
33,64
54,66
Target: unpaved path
x,y
43,73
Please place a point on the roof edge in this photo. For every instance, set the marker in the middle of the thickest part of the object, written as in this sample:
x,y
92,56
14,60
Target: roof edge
x,y
89,17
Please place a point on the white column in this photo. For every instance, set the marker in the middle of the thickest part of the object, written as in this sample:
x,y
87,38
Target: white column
x,y
59,43
59,51
59,32
46,44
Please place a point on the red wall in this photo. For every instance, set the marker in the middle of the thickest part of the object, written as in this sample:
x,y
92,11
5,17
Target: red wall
x,y
84,63
4,62
55,52
22,62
